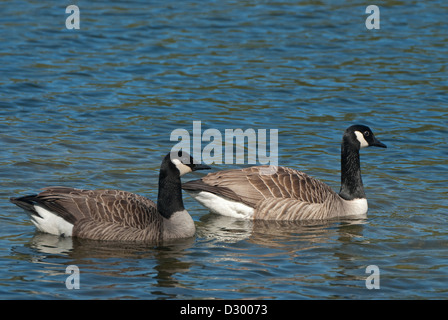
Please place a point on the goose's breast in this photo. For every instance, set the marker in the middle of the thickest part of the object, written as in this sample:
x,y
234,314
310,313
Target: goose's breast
x,y
355,207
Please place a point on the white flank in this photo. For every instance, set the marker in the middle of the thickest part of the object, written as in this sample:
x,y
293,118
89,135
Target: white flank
x,y
222,205
51,223
355,207
361,139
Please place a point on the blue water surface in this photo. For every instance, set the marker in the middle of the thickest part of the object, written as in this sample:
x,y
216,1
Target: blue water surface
x,y
95,108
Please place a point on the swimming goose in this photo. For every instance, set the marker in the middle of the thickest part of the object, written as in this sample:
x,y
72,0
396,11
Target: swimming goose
x,y
288,194
114,214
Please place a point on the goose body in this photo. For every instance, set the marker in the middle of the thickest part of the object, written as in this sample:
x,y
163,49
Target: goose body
x,y
288,194
114,214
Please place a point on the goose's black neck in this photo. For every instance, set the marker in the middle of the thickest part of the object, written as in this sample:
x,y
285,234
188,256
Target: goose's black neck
x,y
169,199
351,182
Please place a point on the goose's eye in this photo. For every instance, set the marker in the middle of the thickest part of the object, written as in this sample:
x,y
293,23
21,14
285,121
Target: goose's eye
x,y
366,133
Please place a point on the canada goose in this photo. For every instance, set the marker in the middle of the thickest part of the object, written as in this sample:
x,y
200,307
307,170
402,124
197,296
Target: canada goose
x,y
114,214
288,194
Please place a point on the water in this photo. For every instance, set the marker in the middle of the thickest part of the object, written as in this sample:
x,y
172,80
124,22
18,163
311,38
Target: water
x,y
94,108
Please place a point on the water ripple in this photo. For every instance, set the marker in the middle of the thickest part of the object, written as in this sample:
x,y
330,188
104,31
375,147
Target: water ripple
x,y
95,108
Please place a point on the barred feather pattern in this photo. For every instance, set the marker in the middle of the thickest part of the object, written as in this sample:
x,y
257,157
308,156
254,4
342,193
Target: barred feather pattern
x,y
105,214
287,194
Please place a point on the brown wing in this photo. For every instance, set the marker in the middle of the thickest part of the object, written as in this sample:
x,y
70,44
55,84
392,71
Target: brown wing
x,y
251,185
104,206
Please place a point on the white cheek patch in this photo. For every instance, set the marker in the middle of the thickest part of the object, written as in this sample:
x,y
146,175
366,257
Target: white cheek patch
x,y
361,139
183,169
